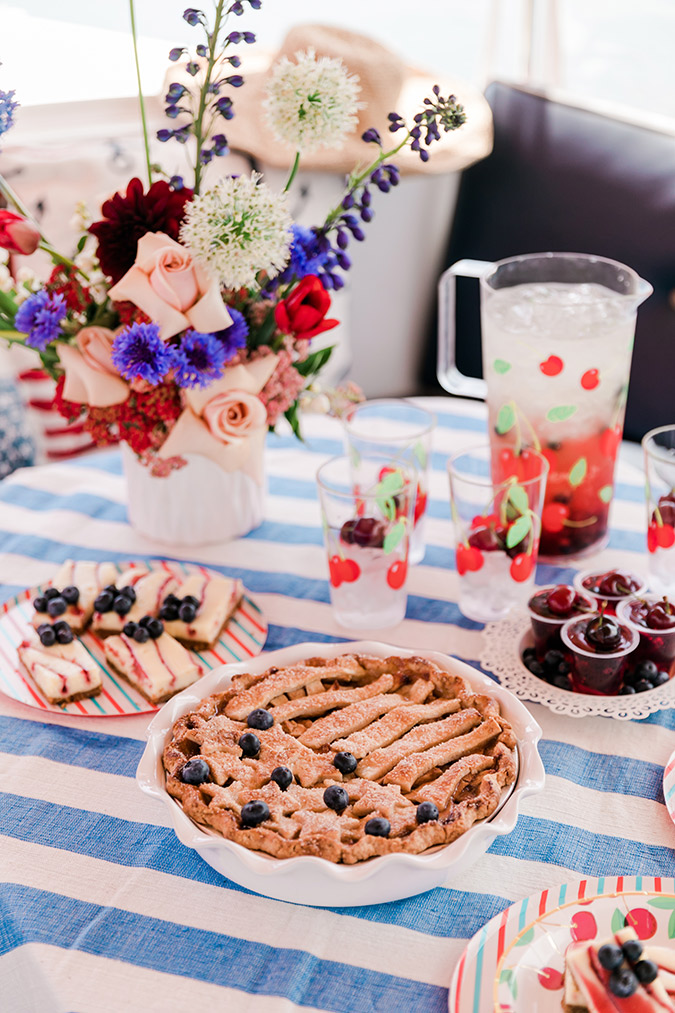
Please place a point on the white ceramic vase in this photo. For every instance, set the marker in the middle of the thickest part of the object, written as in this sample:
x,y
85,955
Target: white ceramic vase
x,y
199,504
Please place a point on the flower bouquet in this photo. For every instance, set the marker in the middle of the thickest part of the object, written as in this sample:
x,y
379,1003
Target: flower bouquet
x,y
182,325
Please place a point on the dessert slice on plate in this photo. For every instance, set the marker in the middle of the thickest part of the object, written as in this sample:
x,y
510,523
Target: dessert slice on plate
x,y
151,660
619,974
59,665
197,611
72,592
138,592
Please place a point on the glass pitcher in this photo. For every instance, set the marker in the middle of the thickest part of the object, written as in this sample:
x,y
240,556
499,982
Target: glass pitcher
x,y
557,337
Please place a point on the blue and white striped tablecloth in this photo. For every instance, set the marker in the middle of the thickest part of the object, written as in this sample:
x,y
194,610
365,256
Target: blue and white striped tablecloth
x,y
101,909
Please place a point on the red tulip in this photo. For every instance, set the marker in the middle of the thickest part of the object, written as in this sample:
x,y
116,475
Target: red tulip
x,y
303,312
17,234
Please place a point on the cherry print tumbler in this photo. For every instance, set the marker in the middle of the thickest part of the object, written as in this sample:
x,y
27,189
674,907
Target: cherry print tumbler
x,y
558,331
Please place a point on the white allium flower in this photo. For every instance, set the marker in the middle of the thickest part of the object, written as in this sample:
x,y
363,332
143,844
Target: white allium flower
x,y
81,219
313,103
237,228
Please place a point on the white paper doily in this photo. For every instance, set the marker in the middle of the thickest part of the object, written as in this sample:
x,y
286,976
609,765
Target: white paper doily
x,y
503,643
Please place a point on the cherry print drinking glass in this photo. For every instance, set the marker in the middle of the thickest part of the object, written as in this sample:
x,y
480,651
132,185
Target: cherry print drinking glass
x,y
497,517
366,515
401,430
659,451
557,336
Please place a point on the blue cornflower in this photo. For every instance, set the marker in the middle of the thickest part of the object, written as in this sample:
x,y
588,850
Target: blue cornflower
x,y
139,353
199,360
40,317
233,337
7,107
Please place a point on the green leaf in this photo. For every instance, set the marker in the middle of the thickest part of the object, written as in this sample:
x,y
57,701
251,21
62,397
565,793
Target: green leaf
x,y
390,484
667,903
314,362
518,497
605,493
561,412
506,419
501,366
386,506
393,537
420,454
618,921
519,529
671,926
7,305
578,472
292,416
80,243
527,937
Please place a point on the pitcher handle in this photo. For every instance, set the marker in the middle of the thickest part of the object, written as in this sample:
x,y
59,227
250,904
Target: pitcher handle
x,y
449,376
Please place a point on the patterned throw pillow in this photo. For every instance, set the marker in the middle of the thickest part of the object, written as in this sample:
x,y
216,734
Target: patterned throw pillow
x,y
16,443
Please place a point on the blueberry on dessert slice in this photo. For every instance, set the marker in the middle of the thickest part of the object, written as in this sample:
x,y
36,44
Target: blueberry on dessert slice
x,y
71,596
197,611
59,665
139,592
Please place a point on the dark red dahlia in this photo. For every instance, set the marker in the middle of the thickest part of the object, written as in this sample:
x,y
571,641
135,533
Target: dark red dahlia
x,y
127,217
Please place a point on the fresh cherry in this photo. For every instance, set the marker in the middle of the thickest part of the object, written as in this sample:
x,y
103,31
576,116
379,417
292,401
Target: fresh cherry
x,y
660,616
485,538
561,600
603,633
666,507
367,532
616,583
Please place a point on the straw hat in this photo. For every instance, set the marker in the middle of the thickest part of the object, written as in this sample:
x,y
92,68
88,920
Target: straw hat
x,y
387,85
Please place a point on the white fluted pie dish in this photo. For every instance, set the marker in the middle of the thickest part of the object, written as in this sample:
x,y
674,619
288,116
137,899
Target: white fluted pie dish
x,y
316,881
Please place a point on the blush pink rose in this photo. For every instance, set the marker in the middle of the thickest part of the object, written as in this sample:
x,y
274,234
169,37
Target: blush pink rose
x,y
174,291
234,414
173,278
95,344
90,377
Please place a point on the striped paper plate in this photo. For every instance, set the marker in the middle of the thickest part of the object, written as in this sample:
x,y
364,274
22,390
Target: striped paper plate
x,y
243,637
515,963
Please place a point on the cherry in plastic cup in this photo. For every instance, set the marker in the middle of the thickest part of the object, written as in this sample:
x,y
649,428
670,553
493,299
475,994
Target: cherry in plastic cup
x,y
655,645
610,601
546,629
599,673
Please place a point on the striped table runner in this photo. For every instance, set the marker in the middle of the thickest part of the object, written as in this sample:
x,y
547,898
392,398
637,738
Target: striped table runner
x,y
101,909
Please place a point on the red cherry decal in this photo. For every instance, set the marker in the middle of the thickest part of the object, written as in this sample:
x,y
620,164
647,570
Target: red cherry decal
x,y
665,535
351,570
550,979
521,566
468,558
584,926
653,537
396,574
643,921
590,379
609,440
420,505
552,366
335,570
553,517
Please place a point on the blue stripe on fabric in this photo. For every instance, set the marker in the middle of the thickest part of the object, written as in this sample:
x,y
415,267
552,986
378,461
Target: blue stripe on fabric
x,y
252,967
539,840
10,591
108,754
441,913
602,772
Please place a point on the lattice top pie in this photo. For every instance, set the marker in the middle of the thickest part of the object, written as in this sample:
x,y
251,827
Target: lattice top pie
x,y
344,758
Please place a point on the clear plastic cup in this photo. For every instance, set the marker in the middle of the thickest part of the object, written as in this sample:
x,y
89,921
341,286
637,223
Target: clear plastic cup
x,y
497,519
367,522
655,645
401,431
546,629
599,673
608,601
659,451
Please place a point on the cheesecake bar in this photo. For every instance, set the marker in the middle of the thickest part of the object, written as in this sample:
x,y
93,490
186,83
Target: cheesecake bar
x,y
198,610
138,592
619,973
72,592
151,660
62,672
